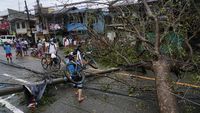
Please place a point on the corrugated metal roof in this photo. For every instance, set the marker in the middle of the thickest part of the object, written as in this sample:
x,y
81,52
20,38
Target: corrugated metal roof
x,y
13,15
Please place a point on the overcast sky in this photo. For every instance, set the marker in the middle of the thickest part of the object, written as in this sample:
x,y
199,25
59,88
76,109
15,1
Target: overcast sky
x,y
16,4
19,4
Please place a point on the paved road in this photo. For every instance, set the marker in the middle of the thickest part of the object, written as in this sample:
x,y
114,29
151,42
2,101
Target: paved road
x,y
65,100
14,75
109,95
27,61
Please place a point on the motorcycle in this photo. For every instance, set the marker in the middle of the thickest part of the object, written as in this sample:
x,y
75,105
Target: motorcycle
x,y
35,52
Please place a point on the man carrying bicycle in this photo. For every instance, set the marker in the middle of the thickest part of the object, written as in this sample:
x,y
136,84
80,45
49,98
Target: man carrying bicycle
x,y
75,75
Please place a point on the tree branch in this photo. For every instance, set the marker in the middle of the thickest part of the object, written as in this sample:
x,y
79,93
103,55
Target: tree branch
x,y
157,31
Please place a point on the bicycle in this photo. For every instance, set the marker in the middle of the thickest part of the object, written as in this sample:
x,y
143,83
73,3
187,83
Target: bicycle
x,y
85,58
52,63
78,65
76,76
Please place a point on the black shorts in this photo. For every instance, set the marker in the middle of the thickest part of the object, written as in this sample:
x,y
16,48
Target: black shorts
x,y
77,85
24,49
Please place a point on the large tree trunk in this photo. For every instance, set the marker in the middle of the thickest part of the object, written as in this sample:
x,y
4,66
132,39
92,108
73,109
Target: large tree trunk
x,y
166,100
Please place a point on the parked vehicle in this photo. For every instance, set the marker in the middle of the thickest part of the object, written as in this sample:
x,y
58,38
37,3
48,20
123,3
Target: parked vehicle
x,y
7,38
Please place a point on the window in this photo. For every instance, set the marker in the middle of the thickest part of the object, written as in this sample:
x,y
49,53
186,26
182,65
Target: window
x,y
23,25
3,37
10,38
18,26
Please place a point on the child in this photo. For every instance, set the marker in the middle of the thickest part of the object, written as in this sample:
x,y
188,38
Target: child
x,y
7,49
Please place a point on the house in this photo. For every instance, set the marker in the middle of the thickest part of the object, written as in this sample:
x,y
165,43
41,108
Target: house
x,y
4,23
19,23
59,23
130,9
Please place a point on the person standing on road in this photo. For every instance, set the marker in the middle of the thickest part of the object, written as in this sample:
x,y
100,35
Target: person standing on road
x,y
52,49
24,47
40,48
7,49
74,71
18,49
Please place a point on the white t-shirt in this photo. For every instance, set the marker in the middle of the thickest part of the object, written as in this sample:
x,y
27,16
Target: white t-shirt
x,y
40,46
74,42
52,48
66,42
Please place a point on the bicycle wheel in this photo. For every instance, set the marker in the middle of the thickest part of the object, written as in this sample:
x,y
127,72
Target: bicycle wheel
x,y
58,59
78,75
91,62
33,54
44,63
77,79
55,65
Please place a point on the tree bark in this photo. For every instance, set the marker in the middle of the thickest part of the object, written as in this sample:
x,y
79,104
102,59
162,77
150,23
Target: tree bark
x,y
166,100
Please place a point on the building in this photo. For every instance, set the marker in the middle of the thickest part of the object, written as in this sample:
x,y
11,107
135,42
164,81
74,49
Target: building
x,y
4,23
59,23
19,23
117,26
13,22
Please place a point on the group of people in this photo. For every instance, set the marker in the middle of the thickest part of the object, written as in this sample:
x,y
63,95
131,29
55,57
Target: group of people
x,y
21,47
70,40
47,46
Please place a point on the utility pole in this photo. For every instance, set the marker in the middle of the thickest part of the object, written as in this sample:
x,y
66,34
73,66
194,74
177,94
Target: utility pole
x,y
28,16
39,14
18,5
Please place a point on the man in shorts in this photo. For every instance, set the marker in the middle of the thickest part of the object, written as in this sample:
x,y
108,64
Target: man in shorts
x,y
52,49
74,73
7,49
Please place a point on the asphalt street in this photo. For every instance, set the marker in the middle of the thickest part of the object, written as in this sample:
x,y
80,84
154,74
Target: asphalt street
x,y
104,95
12,75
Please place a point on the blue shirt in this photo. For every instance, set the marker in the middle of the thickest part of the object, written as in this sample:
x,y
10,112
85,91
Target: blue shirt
x,y
7,48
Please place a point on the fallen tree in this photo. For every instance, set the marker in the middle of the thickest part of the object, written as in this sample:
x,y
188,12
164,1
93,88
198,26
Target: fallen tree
x,y
160,28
